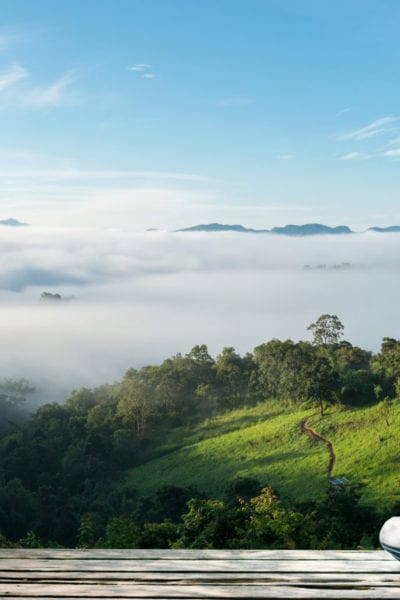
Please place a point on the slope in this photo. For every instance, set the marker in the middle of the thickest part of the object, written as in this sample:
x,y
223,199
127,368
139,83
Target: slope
x,y
266,442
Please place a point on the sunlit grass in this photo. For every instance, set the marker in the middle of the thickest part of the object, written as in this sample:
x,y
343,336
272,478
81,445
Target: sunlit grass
x,y
263,442
367,446
266,442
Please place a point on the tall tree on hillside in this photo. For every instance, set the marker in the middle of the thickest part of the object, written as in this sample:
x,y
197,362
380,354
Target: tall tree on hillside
x,y
386,365
233,377
322,381
327,329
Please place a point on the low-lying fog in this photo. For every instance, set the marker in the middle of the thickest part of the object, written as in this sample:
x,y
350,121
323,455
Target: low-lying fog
x,y
141,297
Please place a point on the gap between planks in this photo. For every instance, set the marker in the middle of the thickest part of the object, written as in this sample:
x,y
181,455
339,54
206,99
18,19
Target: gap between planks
x,y
129,554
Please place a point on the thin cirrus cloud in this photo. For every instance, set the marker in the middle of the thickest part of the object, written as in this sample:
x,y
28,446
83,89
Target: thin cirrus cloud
x,y
394,142
286,156
54,94
16,92
395,153
354,155
11,76
383,127
143,69
105,174
373,129
139,67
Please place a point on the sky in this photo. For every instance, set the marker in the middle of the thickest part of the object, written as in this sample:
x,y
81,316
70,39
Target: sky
x,y
127,115
135,114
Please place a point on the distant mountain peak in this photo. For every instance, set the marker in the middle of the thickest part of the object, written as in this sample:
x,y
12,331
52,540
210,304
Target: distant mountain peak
x,y
311,229
217,227
12,223
390,229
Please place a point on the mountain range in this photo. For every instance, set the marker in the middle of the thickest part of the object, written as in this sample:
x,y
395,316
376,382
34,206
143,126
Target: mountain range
x,y
292,230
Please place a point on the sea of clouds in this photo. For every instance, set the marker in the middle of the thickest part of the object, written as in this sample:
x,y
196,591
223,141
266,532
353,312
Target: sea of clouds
x,y
141,297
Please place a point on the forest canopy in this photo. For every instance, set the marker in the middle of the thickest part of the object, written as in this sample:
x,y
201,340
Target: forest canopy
x,y
63,468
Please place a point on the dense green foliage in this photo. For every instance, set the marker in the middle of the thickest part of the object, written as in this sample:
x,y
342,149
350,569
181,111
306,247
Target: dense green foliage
x,y
195,451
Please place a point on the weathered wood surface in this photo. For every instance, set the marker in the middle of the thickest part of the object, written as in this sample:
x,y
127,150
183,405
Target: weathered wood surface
x,y
165,574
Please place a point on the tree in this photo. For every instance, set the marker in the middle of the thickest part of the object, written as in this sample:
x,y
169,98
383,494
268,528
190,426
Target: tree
x,y
270,525
13,395
327,329
49,296
210,524
135,403
121,532
322,381
233,377
386,365
295,372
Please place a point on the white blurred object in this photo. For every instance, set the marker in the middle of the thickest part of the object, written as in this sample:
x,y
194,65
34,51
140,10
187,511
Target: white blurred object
x,y
389,536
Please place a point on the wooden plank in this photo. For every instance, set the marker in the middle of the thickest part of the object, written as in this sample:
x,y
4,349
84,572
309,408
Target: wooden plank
x,y
121,574
102,576
322,580
191,591
61,554
328,566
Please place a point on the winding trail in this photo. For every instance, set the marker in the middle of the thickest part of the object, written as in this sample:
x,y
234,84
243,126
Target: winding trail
x,y
314,434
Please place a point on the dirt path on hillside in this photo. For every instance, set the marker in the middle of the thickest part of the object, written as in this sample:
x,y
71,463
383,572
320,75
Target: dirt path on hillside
x,y
314,434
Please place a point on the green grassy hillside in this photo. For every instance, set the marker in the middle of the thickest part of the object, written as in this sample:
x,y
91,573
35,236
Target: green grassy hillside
x,y
367,447
266,442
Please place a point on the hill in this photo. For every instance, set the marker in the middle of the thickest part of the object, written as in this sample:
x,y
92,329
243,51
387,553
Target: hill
x,y
391,229
266,442
282,423
213,227
12,223
311,229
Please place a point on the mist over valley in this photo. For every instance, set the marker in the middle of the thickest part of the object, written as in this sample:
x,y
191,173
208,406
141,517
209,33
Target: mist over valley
x,y
140,297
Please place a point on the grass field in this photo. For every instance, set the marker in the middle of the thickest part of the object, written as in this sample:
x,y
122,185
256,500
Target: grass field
x,y
266,442
367,447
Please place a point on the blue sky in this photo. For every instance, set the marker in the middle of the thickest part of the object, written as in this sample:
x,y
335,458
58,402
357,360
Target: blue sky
x,y
166,113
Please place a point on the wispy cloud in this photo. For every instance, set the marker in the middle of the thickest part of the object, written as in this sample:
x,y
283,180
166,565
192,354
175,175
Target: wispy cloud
x,y
394,141
139,67
105,174
14,94
395,153
143,69
286,156
11,76
373,129
354,155
51,95
392,153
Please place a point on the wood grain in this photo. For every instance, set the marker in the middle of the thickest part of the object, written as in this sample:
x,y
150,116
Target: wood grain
x,y
158,574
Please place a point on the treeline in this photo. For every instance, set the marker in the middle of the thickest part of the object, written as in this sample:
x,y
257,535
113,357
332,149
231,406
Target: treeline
x,y
62,471
249,516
